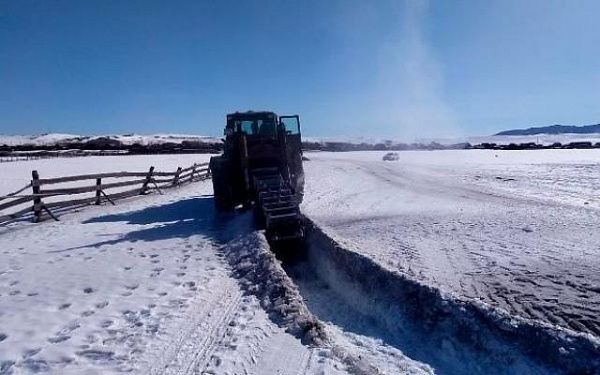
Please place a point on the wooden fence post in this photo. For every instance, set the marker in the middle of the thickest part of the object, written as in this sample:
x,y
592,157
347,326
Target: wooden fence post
x,y
176,178
193,172
147,181
37,200
98,190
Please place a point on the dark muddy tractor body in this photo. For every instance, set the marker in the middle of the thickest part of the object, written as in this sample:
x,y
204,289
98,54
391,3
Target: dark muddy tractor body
x,y
261,165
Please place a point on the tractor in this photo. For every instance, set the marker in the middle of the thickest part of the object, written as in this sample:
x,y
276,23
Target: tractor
x,y
261,166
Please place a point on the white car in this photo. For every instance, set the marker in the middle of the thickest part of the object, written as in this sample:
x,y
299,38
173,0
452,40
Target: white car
x,y
391,156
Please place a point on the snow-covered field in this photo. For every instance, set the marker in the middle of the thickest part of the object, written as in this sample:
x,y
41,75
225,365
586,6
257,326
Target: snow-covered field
x,y
18,174
514,229
142,287
448,262
155,285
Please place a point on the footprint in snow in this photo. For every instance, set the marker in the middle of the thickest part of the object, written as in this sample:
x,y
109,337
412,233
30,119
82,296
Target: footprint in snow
x,y
35,365
3,336
58,338
63,334
189,284
102,356
31,352
102,305
64,306
88,290
87,313
5,367
126,268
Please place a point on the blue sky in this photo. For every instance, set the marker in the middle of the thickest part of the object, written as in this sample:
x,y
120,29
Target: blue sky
x,y
402,69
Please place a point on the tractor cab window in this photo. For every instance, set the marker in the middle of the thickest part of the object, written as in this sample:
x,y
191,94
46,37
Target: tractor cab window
x,y
262,127
248,126
291,124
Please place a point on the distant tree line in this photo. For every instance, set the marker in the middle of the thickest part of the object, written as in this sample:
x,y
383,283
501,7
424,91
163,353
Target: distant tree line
x,y
537,146
389,146
111,144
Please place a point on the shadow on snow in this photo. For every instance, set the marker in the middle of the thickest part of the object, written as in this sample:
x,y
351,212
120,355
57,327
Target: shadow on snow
x,y
177,219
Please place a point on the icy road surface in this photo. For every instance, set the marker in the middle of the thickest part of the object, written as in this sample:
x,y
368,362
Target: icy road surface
x,y
515,229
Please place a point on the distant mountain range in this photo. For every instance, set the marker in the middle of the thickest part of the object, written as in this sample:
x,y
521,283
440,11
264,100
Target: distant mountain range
x,y
554,129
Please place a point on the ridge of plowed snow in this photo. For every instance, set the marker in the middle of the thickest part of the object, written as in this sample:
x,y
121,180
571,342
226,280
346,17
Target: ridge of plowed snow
x,y
261,274
459,335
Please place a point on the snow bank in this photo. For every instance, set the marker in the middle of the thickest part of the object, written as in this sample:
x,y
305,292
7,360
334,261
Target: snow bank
x,y
452,335
261,274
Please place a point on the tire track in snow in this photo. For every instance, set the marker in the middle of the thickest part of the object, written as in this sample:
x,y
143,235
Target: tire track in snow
x,y
195,336
214,334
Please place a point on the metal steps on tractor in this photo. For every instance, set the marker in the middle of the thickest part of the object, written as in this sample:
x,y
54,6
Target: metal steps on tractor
x,y
279,206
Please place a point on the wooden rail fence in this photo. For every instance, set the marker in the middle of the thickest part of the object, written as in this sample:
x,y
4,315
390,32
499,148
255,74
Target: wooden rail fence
x,y
42,201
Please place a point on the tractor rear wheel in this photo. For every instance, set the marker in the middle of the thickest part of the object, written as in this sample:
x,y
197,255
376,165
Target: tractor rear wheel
x,y
219,168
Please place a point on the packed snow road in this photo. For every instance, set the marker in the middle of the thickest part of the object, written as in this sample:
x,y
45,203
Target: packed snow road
x,y
516,230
